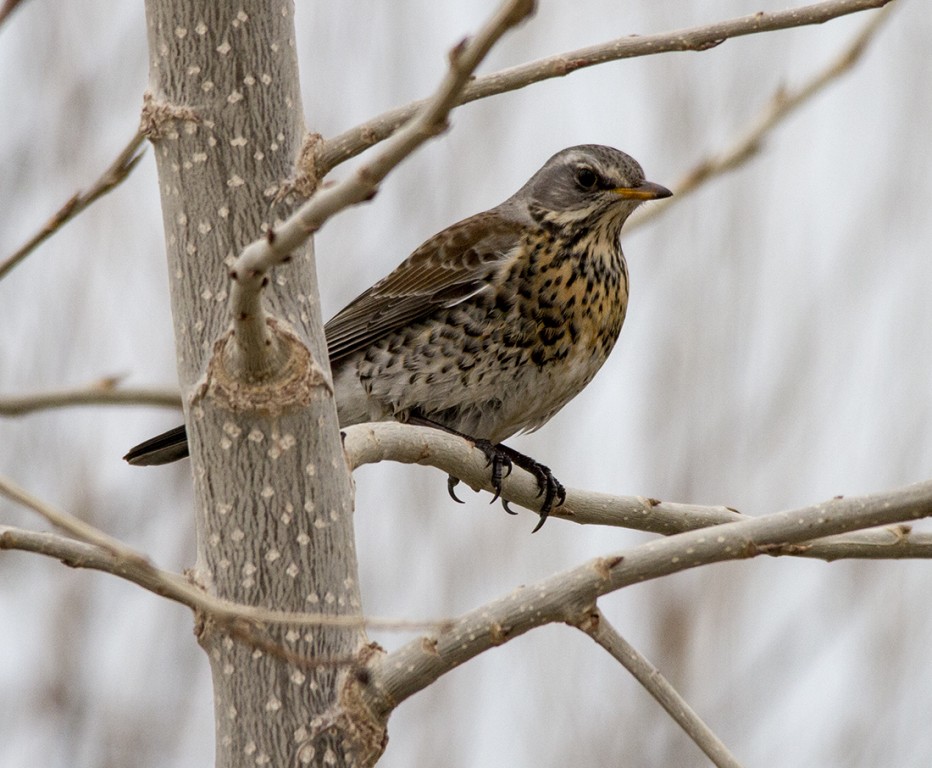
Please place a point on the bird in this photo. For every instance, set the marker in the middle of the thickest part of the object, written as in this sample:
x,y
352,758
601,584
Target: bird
x,y
495,323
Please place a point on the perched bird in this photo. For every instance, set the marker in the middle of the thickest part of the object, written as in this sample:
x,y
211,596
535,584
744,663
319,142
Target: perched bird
x,y
494,324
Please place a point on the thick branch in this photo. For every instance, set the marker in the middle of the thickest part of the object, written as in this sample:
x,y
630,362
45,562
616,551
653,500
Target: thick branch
x,y
564,596
594,624
119,169
370,443
429,119
332,152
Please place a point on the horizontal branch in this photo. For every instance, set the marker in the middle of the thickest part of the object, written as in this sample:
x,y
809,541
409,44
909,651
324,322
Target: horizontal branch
x,y
332,152
565,596
104,392
408,444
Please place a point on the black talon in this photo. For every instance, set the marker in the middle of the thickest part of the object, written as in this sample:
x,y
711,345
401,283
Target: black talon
x,y
547,486
502,459
452,482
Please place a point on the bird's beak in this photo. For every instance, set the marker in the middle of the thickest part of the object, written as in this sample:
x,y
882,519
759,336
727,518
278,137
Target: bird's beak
x,y
644,191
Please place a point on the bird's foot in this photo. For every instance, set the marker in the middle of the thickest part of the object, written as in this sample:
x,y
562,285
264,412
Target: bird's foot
x,y
501,467
502,459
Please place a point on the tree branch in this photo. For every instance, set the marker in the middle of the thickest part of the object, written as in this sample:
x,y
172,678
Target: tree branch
x,y
103,392
428,120
564,596
783,103
140,571
7,9
331,152
69,523
119,169
408,444
594,624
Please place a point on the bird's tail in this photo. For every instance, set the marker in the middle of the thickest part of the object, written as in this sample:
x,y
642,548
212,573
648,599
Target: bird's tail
x,y
162,449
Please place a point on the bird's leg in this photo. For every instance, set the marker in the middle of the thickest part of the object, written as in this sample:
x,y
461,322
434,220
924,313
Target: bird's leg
x,y
501,459
501,467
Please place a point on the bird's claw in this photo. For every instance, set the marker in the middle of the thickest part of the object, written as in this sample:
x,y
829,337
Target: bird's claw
x,y
551,489
452,482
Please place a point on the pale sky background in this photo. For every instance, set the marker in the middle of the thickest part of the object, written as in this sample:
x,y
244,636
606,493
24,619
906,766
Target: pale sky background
x,y
777,351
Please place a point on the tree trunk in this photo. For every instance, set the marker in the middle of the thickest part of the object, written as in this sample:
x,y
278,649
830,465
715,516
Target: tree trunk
x,y
273,493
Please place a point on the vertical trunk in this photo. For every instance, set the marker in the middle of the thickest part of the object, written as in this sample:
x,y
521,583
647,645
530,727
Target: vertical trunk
x,y
273,495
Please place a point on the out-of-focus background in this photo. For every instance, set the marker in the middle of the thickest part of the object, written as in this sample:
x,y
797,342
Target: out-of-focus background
x,y
778,351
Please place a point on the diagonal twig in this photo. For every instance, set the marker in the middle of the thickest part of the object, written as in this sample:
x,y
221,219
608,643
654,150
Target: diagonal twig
x,y
96,550
781,105
257,350
594,624
119,169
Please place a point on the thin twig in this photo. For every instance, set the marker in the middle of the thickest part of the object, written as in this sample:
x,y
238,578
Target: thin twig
x,y
781,105
594,624
139,570
257,350
78,528
119,169
331,152
103,392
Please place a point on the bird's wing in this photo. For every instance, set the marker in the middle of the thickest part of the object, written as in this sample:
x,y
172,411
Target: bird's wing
x,y
453,265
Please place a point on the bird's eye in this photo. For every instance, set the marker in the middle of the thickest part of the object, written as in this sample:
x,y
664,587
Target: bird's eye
x,y
586,179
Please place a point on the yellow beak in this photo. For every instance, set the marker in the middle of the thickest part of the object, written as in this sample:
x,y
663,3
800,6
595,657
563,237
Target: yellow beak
x,y
645,191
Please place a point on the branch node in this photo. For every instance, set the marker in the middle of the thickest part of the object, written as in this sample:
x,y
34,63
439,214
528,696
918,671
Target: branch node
x,y
287,379
156,117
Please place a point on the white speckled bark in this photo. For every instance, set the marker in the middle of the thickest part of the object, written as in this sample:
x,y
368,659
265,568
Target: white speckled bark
x,y
273,494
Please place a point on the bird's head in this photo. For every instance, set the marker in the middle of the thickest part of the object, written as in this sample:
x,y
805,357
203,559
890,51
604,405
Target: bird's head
x,y
587,185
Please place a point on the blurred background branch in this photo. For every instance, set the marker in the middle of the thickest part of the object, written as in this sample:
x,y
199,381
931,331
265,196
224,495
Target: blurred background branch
x,y
782,104
106,391
111,178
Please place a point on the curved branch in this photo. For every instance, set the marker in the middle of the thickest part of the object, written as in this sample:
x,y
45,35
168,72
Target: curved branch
x,y
408,444
457,456
331,152
564,596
